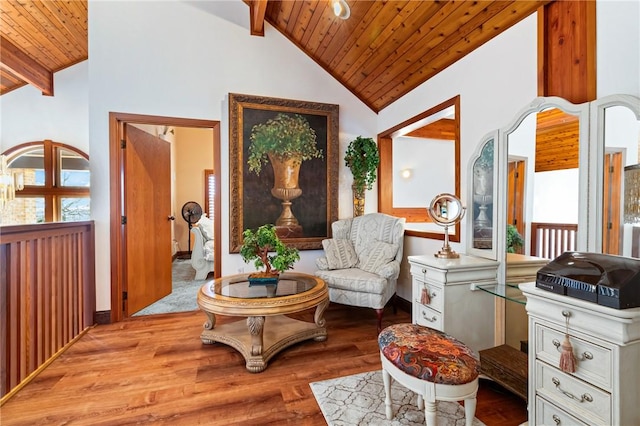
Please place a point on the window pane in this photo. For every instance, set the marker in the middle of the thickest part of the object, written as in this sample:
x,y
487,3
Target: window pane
x,y
75,209
74,169
31,164
23,211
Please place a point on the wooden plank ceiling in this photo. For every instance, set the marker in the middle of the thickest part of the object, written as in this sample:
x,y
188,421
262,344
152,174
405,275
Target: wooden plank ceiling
x,y
384,50
38,38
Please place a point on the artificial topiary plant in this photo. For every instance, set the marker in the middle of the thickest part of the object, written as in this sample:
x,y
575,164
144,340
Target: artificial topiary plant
x,y
258,244
514,239
363,158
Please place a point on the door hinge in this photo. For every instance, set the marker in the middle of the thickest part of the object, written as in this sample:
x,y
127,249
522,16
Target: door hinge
x,y
124,295
609,225
611,169
123,144
123,220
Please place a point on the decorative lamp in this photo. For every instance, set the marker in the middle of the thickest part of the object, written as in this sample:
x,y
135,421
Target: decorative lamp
x,y
632,194
341,9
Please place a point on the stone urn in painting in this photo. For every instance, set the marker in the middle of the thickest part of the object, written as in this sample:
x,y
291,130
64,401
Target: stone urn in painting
x,y
285,142
363,158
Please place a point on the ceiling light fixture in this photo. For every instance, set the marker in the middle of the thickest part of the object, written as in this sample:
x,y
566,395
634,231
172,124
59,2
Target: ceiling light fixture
x,y
341,9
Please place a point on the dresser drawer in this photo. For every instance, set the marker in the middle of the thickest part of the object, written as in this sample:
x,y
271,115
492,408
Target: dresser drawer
x,y
429,317
575,396
548,414
594,362
436,295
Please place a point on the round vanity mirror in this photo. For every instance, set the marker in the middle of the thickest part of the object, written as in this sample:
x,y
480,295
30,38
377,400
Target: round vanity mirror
x,y
446,210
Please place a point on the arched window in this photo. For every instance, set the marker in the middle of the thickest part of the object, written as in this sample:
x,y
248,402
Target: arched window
x,y
56,184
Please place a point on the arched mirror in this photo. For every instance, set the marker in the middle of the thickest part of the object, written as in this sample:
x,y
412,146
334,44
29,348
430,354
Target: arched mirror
x,y
546,153
446,210
617,123
419,159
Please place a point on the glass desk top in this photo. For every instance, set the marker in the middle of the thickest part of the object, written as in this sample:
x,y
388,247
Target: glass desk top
x,y
509,292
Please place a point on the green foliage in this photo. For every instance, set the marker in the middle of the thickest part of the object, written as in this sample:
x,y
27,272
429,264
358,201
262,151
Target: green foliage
x,y
258,244
363,158
285,136
514,239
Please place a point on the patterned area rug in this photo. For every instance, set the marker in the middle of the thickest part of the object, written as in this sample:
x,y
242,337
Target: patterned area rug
x,y
359,400
183,294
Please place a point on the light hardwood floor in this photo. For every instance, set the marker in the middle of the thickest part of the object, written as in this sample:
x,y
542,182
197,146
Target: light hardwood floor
x,y
155,370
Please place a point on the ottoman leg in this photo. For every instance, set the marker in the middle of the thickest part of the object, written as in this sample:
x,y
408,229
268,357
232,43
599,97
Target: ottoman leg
x,y
469,411
386,378
430,413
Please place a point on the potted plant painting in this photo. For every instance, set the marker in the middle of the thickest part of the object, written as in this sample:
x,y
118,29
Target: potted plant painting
x,y
267,251
363,158
285,141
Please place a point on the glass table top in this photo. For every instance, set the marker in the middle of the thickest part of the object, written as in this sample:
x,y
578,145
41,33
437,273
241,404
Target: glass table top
x,y
238,286
509,292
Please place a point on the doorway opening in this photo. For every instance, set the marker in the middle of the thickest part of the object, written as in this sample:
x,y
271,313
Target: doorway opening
x,y
143,210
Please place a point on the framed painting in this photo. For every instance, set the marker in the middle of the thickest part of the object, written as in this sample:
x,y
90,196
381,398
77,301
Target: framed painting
x,y
283,159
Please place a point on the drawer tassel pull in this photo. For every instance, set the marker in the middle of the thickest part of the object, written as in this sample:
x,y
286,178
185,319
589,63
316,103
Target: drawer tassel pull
x,y
425,297
584,397
567,358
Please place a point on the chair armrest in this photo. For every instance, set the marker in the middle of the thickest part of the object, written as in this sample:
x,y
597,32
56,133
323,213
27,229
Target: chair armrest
x,y
389,270
322,263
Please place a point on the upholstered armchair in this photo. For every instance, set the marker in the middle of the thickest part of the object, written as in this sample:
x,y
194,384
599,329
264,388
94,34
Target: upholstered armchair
x,y
202,258
362,261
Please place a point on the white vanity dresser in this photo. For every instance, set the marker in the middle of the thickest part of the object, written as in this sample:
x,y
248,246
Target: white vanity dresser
x,y
605,387
452,307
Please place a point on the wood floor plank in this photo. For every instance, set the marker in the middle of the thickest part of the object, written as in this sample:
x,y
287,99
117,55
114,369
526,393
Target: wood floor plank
x,y
155,370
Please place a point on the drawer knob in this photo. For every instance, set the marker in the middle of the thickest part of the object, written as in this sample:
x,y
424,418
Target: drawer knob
x,y
584,397
432,319
583,356
556,419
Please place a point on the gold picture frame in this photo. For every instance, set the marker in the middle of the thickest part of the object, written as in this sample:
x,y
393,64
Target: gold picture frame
x,y
312,202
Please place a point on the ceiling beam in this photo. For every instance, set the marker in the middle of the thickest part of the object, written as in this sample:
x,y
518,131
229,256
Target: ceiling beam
x,y
257,11
16,61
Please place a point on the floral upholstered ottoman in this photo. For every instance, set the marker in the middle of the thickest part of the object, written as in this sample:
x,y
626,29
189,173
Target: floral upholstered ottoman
x,y
431,363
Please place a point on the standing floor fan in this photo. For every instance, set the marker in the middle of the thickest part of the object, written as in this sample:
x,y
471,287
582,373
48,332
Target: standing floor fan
x,y
191,213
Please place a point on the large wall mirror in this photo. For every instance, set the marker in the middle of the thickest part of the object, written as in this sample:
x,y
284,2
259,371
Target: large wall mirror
x,y
419,159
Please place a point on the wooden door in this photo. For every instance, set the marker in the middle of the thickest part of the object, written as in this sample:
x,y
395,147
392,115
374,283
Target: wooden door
x,y
611,211
147,208
515,197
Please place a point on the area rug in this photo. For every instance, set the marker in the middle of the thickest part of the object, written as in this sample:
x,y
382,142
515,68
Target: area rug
x,y
358,400
183,294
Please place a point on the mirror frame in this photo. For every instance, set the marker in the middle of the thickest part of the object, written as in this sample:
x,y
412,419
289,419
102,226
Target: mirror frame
x,y
491,253
597,124
385,173
450,198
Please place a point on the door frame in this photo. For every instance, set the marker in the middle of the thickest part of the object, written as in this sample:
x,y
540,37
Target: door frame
x,y
117,122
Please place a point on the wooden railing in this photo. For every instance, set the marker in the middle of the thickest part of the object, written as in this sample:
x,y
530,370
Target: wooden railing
x,y
47,292
550,240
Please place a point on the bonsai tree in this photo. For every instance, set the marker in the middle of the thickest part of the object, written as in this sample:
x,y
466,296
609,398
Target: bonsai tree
x,y
514,239
362,158
285,136
258,244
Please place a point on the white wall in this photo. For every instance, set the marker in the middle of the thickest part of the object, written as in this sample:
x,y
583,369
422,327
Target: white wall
x,y
182,59
618,47
26,115
494,82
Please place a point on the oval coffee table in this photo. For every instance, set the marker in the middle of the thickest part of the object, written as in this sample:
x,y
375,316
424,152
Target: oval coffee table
x,y
267,329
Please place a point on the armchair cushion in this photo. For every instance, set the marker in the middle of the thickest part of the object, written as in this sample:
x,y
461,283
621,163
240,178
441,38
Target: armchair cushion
x,y
377,254
206,227
339,253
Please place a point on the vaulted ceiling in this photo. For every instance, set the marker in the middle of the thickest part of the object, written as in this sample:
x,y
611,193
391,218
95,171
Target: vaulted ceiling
x,y
381,52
